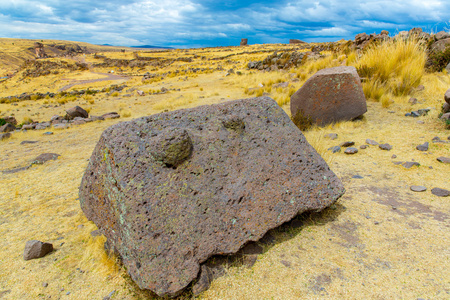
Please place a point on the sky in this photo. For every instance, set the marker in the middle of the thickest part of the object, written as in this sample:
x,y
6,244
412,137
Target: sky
x,y
210,23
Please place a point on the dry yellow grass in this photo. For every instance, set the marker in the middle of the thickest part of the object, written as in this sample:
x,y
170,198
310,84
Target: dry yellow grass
x,y
380,241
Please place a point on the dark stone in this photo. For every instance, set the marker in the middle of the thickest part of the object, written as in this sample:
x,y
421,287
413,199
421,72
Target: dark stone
x,y
351,150
393,156
76,111
238,183
36,249
4,136
244,42
11,120
12,171
45,157
357,177
440,192
249,260
7,128
423,147
385,147
409,164
347,144
204,281
371,142
446,107
447,96
329,96
335,149
251,248
28,142
445,160
418,188
111,115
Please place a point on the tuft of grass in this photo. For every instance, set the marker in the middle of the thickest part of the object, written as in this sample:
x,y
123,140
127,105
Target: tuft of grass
x,y
395,66
301,121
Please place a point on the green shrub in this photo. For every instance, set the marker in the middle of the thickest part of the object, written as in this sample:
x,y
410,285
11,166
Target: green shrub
x,y
439,60
2,122
301,121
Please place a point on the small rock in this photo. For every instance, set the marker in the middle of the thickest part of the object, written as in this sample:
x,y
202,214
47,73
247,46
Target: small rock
x,y
412,100
376,222
393,156
371,142
446,108
335,149
5,136
109,295
423,147
45,284
80,226
42,126
61,126
45,157
357,177
418,188
420,122
28,126
385,147
363,146
447,96
48,133
410,164
28,142
420,88
445,160
7,128
76,112
440,192
351,150
36,249
111,115
286,263
347,144
331,136
96,233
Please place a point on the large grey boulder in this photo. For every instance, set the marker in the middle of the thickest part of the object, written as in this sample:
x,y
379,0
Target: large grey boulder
x,y
173,189
331,95
76,111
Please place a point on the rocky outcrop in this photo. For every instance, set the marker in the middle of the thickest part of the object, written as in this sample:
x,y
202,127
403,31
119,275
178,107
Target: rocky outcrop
x,y
284,60
295,41
76,111
39,50
331,95
173,189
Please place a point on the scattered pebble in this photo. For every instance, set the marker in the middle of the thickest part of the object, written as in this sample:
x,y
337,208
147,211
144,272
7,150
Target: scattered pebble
x,y
393,156
351,150
48,133
357,177
335,149
420,122
363,146
418,188
80,226
347,144
109,295
371,142
331,136
45,284
440,192
376,222
385,147
28,142
445,160
423,147
410,164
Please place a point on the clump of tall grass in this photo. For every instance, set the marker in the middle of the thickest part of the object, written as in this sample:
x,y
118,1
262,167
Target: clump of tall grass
x,y
394,67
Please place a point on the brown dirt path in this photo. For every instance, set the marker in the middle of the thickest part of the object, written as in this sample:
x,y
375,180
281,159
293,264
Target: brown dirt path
x,y
107,78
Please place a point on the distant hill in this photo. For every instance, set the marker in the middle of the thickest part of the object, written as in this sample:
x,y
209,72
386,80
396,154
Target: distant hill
x,y
151,47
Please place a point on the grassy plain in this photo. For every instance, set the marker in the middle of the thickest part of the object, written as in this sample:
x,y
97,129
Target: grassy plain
x,y
379,241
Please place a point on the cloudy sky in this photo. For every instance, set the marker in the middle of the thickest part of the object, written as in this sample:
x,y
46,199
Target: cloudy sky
x,y
198,23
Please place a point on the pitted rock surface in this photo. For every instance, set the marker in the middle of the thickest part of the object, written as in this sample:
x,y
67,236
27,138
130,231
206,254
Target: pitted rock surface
x,y
249,169
331,95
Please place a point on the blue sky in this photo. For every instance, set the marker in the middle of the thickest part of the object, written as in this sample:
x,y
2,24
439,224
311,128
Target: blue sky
x,y
201,23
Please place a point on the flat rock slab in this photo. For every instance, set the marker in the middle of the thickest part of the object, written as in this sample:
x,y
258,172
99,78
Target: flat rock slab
x,y
351,150
443,159
329,96
423,147
440,192
173,189
418,188
385,147
45,157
